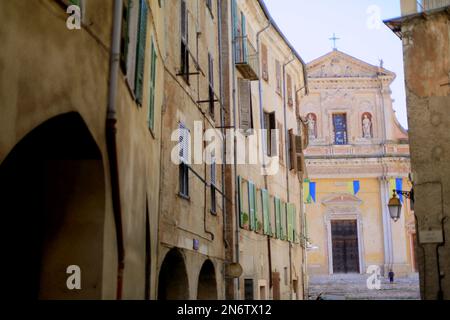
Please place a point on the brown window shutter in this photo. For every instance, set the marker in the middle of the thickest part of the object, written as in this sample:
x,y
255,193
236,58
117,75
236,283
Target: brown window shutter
x,y
289,91
278,69
281,140
292,151
276,286
265,62
245,107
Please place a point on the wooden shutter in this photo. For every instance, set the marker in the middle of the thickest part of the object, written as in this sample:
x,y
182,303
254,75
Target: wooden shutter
x,y
252,205
276,286
142,41
133,28
290,222
292,151
184,22
241,202
278,69
278,218
265,62
266,212
283,220
151,99
273,135
280,141
245,105
289,91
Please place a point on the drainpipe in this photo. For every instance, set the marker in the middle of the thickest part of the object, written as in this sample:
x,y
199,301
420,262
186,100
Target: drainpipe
x,y
222,124
287,166
111,133
263,143
236,194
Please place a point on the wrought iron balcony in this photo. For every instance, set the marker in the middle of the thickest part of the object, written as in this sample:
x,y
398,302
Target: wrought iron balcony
x,y
247,58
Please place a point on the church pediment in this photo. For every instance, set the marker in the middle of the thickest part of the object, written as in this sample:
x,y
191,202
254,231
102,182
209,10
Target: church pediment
x,y
345,200
337,64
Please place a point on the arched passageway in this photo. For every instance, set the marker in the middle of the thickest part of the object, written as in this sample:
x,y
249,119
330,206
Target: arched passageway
x,y
173,280
52,200
207,285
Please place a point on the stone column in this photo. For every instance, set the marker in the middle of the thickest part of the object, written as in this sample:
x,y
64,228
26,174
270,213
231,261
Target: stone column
x,y
387,232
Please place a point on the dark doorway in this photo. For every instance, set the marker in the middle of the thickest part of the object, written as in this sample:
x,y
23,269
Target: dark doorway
x,y
207,287
345,246
52,200
276,286
173,281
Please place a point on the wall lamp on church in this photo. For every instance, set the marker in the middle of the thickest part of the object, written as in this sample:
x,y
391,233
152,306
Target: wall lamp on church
x,y
395,204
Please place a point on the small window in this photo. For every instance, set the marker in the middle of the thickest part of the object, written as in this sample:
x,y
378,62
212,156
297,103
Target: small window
x,y
265,62
184,141
271,137
211,94
278,70
245,105
249,290
184,43
213,185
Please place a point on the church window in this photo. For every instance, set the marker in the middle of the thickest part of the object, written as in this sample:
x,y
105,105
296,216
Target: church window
x,y
340,129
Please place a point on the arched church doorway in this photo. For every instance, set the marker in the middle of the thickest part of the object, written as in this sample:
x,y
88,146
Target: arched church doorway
x,y
207,285
173,280
52,200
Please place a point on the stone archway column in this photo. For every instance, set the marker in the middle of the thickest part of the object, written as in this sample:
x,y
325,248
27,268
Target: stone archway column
x,y
387,230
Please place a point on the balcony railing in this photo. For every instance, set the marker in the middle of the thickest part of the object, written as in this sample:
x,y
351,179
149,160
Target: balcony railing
x,y
247,58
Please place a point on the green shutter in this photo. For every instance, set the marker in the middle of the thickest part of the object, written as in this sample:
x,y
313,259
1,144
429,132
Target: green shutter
x,y
283,221
278,218
151,104
243,216
266,212
140,54
252,205
290,222
76,2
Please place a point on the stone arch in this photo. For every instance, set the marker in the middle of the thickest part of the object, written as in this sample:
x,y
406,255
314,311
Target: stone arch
x,y
207,284
52,195
173,281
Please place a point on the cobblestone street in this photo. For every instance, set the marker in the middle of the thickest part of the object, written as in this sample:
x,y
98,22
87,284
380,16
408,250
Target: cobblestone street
x,y
354,287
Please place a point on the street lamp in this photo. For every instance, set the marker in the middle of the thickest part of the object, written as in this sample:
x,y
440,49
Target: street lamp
x,y
395,206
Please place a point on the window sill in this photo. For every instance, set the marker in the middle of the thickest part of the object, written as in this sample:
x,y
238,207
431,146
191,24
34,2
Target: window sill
x,y
184,197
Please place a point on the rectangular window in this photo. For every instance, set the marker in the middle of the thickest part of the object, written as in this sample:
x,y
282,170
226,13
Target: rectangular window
x,y
340,129
211,94
292,151
290,99
245,105
184,43
213,186
265,62
152,90
271,136
278,71
281,141
248,289
184,141
134,36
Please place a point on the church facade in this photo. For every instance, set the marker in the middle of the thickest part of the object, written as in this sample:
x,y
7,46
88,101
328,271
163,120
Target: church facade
x,y
358,154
